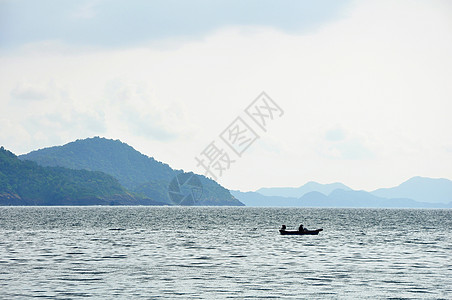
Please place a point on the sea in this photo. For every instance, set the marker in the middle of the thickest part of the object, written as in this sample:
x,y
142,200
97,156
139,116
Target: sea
x,y
224,253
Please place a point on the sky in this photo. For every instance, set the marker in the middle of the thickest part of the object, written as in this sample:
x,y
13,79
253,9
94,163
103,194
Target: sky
x,y
364,88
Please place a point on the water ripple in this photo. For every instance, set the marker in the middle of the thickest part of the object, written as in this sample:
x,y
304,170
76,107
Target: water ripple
x,y
204,253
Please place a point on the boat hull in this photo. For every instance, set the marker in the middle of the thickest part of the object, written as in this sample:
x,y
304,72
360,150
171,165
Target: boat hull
x,y
296,232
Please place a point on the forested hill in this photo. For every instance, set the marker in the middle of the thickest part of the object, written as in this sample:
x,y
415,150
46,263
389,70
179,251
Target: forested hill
x,y
113,157
27,183
137,172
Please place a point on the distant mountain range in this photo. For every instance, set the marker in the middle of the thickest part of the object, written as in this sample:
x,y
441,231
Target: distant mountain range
x,y
99,171
144,179
311,186
421,189
417,192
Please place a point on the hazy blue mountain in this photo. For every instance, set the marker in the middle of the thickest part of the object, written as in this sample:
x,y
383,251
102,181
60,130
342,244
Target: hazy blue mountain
x,y
421,189
137,172
416,192
314,199
256,199
27,183
350,198
304,189
337,198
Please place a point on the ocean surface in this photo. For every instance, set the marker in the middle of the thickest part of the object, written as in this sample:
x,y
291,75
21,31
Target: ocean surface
x,y
224,252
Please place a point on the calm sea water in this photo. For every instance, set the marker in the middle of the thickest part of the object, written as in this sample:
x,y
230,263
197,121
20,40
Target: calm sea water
x,y
207,252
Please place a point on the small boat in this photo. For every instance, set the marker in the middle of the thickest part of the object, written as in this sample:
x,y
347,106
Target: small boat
x,y
296,232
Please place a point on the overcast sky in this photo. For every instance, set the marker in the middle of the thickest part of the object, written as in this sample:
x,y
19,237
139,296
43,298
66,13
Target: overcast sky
x,y
365,86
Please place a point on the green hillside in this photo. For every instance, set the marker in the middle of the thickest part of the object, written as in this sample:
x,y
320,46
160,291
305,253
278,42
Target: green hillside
x,y
137,172
27,183
113,157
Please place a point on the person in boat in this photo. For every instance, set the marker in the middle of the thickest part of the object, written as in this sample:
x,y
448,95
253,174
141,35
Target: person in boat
x,y
301,229
283,227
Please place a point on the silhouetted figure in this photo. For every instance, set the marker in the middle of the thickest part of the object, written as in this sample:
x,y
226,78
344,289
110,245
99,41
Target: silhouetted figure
x,y
283,227
301,229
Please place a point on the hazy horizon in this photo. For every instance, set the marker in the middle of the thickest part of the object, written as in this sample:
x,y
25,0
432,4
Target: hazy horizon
x,y
287,187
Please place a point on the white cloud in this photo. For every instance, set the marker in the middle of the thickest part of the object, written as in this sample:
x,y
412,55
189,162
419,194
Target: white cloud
x,y
24,93
86,10
138,111
349,150
375,84
335,134
114,23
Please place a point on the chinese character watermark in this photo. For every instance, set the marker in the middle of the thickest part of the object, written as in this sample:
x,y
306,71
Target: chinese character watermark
x,y
214,160
238,136
263,109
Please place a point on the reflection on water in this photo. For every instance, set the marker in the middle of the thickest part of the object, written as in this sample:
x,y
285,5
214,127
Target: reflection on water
x,y
193,253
